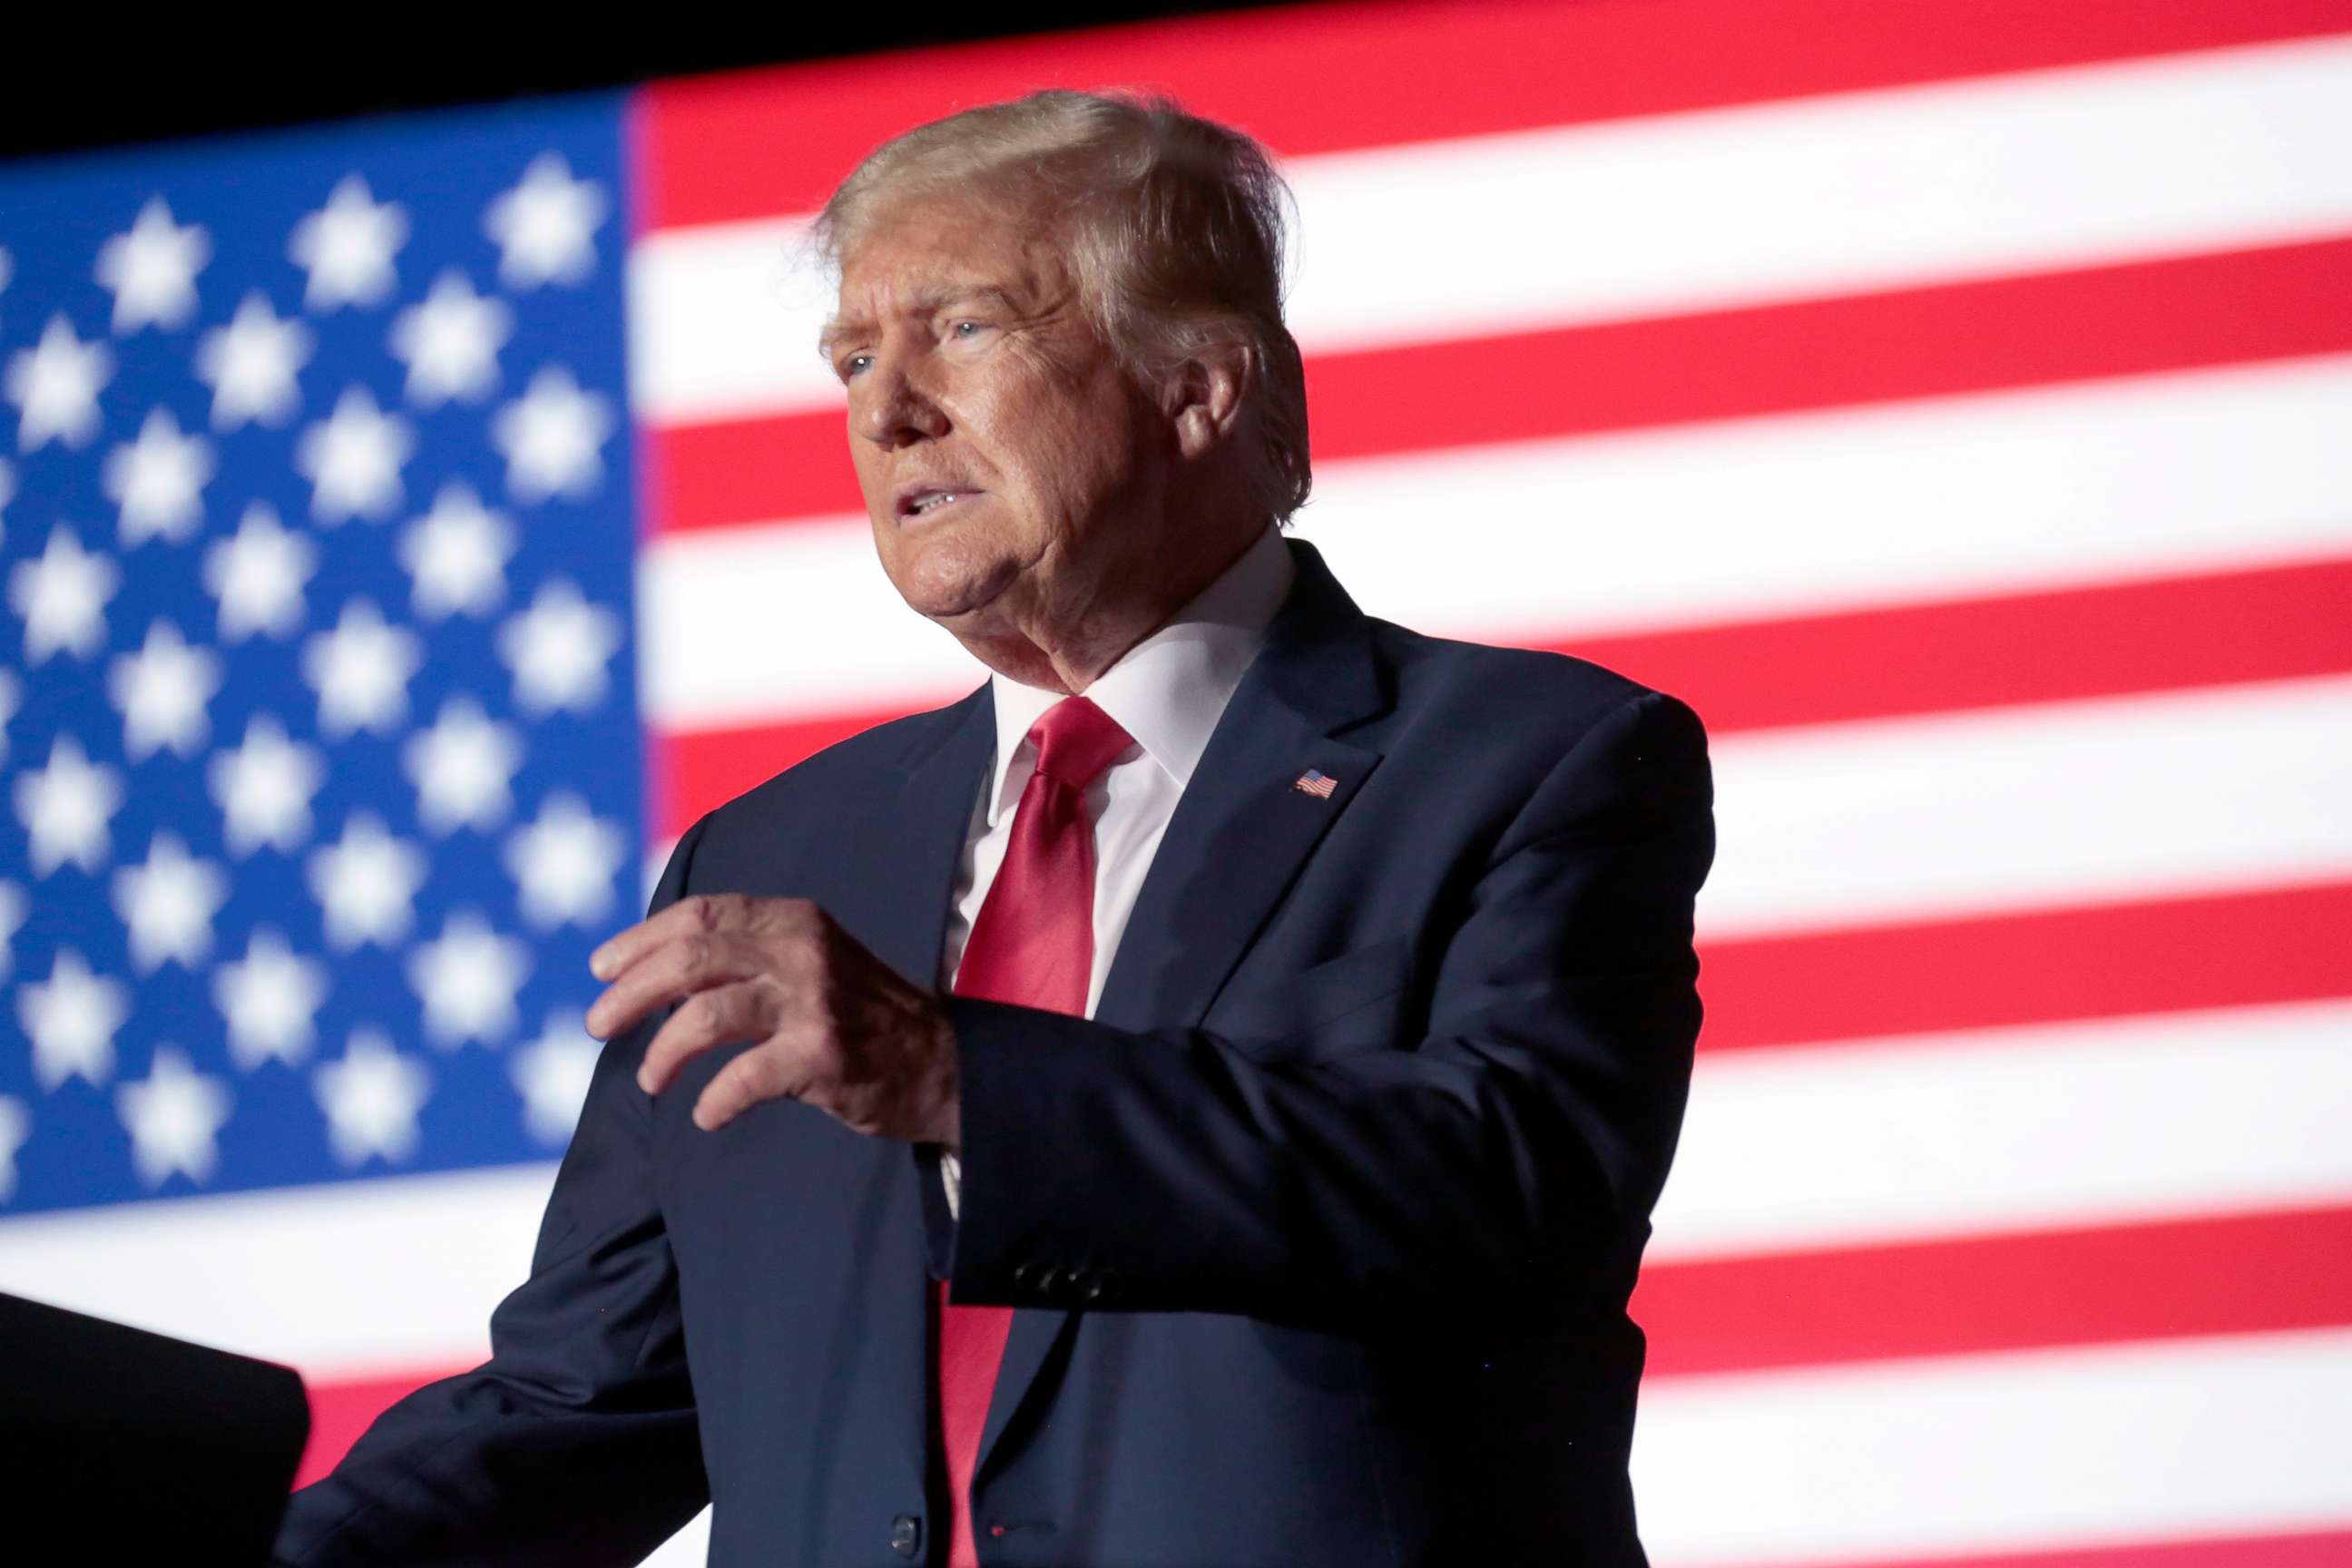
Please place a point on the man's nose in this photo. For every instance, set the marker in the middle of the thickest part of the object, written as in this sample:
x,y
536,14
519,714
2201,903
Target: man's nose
x,y
890,408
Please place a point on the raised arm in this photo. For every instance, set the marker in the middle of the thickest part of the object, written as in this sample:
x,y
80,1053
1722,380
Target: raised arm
x,y
575,1442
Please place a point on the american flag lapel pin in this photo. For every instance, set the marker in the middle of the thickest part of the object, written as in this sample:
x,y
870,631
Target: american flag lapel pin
x,y
1317,783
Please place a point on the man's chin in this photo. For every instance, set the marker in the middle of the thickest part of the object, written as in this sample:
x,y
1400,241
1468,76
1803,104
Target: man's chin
x,y
958,595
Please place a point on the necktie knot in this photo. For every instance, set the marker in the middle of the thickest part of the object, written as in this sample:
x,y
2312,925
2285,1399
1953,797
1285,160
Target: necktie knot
x,y
1076,741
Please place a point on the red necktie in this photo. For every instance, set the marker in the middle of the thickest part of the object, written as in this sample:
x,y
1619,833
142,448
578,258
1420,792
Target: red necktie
x,y
1032,943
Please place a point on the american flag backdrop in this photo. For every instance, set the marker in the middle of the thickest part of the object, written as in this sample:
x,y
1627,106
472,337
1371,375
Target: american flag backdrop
x,y
407,528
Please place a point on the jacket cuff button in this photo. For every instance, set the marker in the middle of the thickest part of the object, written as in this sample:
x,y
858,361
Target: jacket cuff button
x,y
907,1535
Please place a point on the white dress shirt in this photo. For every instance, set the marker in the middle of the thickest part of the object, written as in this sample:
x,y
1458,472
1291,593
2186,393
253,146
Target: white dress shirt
x,y
1167,691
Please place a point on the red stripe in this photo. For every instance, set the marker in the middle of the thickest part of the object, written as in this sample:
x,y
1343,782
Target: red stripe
x,y
2103,961
2033,648
771,469
2032,331
2272,623
340,1410
688,772
2330,1549
1325,78
2236,1274
2243,1273
2048,329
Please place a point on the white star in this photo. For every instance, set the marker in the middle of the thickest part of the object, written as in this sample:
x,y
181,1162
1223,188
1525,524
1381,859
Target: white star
x,y
457,555
56,385
352,458
72,1020
12,910
366,884
450,342
167,905
552,435
161,691
371,1098
151,269
564,864
467,978
264,788
62,596
251,364
16,1126
463,767
65,809
552,1074
545,227
558,649
174,1115
347,248
158,480
270,999
361,671
258,575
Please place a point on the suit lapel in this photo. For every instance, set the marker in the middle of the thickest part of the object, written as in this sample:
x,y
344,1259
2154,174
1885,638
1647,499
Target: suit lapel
x,y
1241,834
901,869
1245,827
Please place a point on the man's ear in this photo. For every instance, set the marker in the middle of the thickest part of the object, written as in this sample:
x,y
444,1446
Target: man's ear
x,y
1206,398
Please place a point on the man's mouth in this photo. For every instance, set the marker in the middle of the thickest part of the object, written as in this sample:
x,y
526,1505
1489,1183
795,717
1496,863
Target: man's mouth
x,y
930,501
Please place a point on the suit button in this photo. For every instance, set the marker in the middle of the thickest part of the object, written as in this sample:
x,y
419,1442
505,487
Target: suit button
x,y
1048,1280
906,1535
1099,1287
1024,1276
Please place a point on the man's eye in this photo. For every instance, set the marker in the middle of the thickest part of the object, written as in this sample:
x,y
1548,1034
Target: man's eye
x,y
966,328
853,364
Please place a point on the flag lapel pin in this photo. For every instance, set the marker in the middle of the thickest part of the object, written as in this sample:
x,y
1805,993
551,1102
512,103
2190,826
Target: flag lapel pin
x,y
1317,783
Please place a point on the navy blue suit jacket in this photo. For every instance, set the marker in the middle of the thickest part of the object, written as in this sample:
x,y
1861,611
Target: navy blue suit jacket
x,y
1321,1231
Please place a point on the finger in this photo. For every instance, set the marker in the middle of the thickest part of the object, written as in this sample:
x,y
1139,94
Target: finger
x,y
744,1010
711,913
774,1071
687,964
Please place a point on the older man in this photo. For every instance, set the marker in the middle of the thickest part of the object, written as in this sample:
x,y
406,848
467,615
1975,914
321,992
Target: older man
x,y
1196,1101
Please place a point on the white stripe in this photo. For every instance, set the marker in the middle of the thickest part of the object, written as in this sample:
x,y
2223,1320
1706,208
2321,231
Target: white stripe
x,y
2113,1121
2177,793
1797,514
722,323
1666,214
746,625
2046,1449
2084,1123
345,1280
1787,515
1862,191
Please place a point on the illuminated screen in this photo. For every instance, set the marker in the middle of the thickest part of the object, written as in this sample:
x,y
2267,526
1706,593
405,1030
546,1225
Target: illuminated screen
x,y
411,527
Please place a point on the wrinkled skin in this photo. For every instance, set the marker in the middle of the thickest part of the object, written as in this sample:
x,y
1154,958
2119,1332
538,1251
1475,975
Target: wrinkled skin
x,y
1088,509
836,1026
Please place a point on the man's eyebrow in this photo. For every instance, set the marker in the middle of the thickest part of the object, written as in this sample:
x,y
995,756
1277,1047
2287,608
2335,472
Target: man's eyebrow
x,y
835,330
928,301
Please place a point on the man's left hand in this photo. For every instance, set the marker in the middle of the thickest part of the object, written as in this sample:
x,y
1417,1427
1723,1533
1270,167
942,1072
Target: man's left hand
x,y
828,1023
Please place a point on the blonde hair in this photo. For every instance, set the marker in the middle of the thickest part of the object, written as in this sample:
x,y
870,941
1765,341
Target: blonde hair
x,y
1172,227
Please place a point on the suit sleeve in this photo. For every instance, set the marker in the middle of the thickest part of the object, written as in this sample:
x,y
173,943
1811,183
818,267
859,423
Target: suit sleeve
x,y
1492,1174
575,1442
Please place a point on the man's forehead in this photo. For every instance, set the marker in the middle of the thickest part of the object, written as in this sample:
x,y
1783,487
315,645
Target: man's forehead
x,y
931,253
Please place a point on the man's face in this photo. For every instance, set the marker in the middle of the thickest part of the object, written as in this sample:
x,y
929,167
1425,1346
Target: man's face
x,y
975,374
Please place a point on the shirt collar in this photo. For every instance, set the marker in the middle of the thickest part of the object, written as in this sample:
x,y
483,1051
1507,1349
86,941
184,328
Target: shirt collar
x,y
1170,689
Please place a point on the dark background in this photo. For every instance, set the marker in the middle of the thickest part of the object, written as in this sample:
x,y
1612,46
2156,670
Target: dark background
x,y
121,79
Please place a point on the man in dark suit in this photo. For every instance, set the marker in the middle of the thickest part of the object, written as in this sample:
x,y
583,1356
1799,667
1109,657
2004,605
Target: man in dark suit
x,y
1271,1025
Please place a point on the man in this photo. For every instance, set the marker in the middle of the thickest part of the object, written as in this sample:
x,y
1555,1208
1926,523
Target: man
x,y
1271,1025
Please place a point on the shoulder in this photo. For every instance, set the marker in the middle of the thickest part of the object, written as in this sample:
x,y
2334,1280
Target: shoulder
x,y
816,788
1543,701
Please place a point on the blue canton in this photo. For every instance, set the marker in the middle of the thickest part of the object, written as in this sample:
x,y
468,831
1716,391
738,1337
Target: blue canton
x,y
321,767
